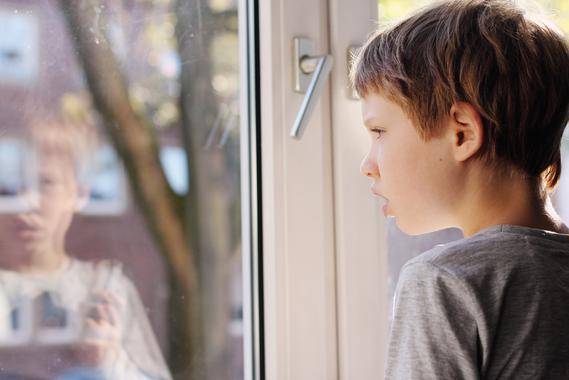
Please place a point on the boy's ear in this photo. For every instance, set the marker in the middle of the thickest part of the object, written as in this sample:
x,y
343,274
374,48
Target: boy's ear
x,y
466,130
82,197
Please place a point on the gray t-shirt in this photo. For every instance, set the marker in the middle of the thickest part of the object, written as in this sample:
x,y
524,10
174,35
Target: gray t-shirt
x,y
491,306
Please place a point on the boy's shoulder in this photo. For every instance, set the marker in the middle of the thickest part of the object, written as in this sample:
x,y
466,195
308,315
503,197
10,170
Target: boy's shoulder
x,y
497,249
460,251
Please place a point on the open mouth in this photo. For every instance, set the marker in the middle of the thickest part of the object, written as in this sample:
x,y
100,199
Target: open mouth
x,y
377,194
26,230
385,207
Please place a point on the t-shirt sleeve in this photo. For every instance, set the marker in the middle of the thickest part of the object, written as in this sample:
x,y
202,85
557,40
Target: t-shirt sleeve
x,y
433,331
141,356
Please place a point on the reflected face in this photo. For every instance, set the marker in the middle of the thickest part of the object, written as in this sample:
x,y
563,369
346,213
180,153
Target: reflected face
x,y
414,177
51,203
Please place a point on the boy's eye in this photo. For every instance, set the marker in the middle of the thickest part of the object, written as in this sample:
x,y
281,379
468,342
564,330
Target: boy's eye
x,y
46,181
378,132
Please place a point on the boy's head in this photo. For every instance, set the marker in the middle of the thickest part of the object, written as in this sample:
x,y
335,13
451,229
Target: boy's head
x,y
62,153
486,65
63,143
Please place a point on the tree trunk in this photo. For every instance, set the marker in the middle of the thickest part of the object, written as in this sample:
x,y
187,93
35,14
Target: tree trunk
x,y
135,142
195,28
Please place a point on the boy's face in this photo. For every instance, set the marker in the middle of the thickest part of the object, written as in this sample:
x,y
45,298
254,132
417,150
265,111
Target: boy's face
x,y
415,177
51,203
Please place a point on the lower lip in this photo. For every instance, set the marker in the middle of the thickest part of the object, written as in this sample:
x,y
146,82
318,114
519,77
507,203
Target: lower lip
x,y
24,232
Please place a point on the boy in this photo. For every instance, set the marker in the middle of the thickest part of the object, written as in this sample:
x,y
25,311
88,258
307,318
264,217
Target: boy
x,y
70,319
466,102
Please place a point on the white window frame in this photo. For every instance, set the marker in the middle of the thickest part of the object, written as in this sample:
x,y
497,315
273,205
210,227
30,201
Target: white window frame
x,y
298,229
324,238
360,228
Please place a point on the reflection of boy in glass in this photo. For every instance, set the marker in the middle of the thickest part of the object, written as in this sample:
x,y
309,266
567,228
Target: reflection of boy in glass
x,y
86,315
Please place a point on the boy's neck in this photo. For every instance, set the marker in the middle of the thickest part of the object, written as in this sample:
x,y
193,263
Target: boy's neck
x,y
45,265
514,201
36,261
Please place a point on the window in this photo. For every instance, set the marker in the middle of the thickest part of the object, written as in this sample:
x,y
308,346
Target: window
x,y
14,176
19,61
121,189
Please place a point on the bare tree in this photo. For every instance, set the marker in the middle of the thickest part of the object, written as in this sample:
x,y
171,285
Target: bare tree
x,y
186,228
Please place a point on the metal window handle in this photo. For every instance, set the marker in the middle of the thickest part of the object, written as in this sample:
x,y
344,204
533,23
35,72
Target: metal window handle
x,y
305,64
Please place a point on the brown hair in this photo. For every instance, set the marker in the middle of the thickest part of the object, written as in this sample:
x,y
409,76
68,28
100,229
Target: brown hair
x,y
513,68
72,141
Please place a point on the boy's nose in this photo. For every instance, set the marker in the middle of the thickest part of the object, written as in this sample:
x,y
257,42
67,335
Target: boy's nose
x,y
31,199
368,167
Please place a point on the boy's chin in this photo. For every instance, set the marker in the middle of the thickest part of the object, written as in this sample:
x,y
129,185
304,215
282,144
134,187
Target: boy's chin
x,y
414,228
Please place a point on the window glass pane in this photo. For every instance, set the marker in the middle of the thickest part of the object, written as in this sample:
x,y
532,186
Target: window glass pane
x,y
120,190
403,247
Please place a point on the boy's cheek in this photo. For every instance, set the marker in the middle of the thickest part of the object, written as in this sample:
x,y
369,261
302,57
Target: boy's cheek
x,y
409,183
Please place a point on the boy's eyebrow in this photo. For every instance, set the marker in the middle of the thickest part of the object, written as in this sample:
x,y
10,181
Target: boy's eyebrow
x,y
371,122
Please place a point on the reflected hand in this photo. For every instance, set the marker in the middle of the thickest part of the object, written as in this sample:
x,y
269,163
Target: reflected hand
x,y
101,340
